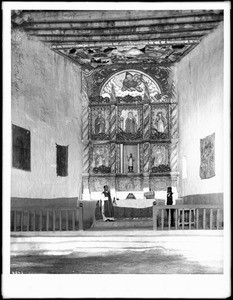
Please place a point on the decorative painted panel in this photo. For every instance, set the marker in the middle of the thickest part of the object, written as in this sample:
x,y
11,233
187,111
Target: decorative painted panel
x,y
97,184
101,159
159,122
159,158
159,184
129,184
207,149
100,123
161,75
129,123
130,85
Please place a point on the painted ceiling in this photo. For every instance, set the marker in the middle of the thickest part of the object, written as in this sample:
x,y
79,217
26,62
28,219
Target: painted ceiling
x,y
98,38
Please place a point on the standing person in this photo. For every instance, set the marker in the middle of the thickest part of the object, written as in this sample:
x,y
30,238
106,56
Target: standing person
x,y
170,202
107,206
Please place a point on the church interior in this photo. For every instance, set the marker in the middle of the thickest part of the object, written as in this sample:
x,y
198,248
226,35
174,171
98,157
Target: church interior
x,y
132,99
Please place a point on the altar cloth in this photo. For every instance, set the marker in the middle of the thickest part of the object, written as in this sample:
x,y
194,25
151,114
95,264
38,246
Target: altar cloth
x,y
135,203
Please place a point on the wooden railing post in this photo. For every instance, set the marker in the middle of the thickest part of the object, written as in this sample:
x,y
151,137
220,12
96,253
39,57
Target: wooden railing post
x,y
80,216
54,220
22,215
67,219
176,219
162,218
47,221
169,219
211,218
28,220
190,218
60,220
182,219
217,219
15,219
204,218
197,218
34,221
154,216
41,219
73,220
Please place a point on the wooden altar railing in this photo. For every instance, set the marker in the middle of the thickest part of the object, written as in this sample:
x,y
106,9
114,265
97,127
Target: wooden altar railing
x,y
187,217
165,217
38,219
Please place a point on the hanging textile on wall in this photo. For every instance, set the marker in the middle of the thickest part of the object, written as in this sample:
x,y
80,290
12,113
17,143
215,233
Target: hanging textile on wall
x,y
62,160
207,149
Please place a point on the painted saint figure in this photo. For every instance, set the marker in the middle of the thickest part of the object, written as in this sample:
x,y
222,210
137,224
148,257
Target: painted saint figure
x,y
107,205
100,123
130,123
130,83
160,122
130,165
100,158
158,157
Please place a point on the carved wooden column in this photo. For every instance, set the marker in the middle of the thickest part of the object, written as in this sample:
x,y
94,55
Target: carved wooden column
x,y
146,160
112,123
85,139
118,158
146,121
113,154
174,137
174,145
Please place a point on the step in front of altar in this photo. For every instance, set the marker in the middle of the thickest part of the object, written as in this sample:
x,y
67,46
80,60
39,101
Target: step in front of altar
x,y
123,224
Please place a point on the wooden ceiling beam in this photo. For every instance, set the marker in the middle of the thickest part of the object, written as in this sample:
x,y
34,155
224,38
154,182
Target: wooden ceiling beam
x,y
141,44
115,24
127,30
108,15
124,37
172,41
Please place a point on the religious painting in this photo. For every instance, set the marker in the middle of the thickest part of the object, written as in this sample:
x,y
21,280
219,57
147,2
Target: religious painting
x,y
100,123
130,86
100,159
159,122
159,158
207,149
129,123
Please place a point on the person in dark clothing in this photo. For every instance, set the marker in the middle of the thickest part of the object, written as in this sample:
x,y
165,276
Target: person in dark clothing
x,y
170,202
107,206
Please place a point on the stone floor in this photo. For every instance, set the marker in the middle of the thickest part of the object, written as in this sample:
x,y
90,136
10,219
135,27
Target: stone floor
x,y
125,262
129,252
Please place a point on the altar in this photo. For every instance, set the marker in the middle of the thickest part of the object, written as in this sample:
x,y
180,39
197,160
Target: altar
x,y
130,134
